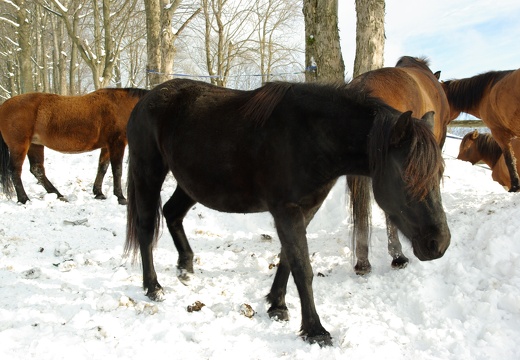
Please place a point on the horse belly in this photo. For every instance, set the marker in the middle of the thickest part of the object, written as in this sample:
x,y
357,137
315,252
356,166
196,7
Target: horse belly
x,y
72,142
223,190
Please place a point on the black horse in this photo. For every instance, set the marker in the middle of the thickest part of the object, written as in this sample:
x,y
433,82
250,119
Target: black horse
x,y
279,148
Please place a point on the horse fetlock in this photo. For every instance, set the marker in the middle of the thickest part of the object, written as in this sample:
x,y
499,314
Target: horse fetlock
x,y
514,188
363,267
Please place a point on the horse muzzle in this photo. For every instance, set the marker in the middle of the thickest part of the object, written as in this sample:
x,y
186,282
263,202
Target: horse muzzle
x,y
431,246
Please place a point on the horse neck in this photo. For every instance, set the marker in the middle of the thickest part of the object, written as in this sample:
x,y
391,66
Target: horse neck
x,y
469,94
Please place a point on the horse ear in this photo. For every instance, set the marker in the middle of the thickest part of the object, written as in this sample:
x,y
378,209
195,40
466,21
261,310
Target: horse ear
x,y
401,128
474,134
429,119
437,74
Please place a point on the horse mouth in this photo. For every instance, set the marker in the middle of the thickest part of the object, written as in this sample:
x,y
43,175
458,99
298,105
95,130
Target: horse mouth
x,y
427,248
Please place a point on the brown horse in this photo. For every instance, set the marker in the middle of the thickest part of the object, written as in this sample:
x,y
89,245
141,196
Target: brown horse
x,y
493,97
68,124
410,85
476,147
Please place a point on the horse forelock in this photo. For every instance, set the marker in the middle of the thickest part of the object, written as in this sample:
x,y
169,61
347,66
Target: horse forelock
x,y
424,164
263,101
466,94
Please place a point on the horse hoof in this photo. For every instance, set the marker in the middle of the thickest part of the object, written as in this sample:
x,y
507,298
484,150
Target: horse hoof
x,y
63,198
100,197
363,268
122,201
400,262
184,276
322,340
279,314
157,295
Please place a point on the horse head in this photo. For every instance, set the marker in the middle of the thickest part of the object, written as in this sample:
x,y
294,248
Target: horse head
x,y
468,150
406,183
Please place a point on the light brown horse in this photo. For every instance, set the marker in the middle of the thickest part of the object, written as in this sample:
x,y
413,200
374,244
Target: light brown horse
x,y
68,124
410,85
476,147
493,97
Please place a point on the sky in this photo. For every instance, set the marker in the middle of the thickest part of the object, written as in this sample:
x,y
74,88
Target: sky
x,y
460,38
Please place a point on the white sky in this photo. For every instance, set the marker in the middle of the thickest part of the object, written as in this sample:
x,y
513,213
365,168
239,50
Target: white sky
x,y
461,38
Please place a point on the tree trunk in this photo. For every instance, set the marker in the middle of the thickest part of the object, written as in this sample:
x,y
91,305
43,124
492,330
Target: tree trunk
x,y
25,53
323,59
370,35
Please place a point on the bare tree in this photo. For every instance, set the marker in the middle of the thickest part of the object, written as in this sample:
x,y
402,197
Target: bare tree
x,y
101,52
161,37
323,59
276,19
227,33
370,35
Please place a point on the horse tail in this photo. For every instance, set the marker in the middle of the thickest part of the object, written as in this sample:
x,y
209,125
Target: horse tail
x,y
132,245
361,214
6,179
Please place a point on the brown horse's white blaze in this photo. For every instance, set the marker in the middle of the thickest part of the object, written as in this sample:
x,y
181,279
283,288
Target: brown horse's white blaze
x,y
68,124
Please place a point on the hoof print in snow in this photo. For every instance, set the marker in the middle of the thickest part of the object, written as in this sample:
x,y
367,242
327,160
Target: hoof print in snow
x,y
33,273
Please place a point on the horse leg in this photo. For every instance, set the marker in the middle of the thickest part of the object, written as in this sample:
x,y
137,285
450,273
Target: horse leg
x,y
146,189
360,208
276,297
509,157
399,261
290,225
36,158
117,152
16,157
104,159
174,212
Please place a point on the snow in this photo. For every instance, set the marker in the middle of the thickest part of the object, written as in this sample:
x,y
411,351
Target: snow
x,y
68,293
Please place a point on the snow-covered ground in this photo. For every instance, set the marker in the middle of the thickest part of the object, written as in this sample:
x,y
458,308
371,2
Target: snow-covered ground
x,y
67,293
